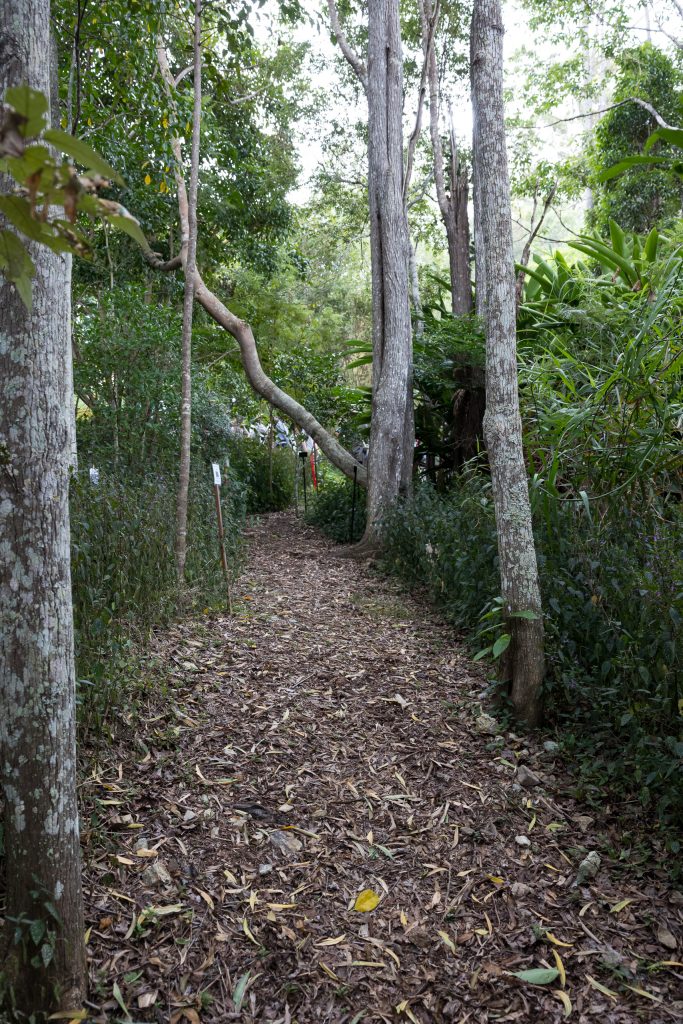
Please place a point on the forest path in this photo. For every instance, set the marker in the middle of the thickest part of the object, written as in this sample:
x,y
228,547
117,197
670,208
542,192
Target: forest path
x,y
319,743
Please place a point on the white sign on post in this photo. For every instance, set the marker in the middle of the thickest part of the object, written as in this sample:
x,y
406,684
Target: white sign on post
x,y
216,473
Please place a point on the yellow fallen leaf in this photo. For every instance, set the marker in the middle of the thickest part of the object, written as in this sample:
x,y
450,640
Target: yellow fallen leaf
x,y
488,923
123,860
564,999
481,931
601,988
230,877
248,932
403,1007
69,1015
619,906
403,919
253,899
642,992
366,901
332,942
496,879
365,963
666,963
87,935
148,180
445,937
147,853
120,895
531,823
207,899
557,942
281,906
560,967
328,971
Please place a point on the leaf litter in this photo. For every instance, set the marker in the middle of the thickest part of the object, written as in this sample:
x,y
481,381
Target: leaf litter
x,y
338,834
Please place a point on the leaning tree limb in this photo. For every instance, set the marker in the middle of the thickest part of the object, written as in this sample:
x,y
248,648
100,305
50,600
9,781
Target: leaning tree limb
x,y
240,330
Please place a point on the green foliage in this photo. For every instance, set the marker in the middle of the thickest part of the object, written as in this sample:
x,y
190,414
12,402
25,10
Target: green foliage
x,y
123,572
637,201
330,508
613,618
46,182
266,476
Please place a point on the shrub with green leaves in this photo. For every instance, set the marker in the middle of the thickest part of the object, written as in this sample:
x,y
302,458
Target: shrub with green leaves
x,y
330,508
613,598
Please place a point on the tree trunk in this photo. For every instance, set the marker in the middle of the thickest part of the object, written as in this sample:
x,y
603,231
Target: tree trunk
x,y
37,699
190,268
391,430
453,207
502,422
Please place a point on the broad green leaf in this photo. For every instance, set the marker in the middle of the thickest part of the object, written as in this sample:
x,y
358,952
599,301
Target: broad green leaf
x,y
526,614
18,212
672,135
618,237
131,227
118,996
650,247
240,989
501,644
538,975
82,153
16,265
32,105
33,159
628,163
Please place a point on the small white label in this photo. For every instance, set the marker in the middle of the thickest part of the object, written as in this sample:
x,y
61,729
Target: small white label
x,y
94,475
216,473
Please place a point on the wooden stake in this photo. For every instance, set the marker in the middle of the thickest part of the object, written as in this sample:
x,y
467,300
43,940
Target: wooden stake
x,y
221,532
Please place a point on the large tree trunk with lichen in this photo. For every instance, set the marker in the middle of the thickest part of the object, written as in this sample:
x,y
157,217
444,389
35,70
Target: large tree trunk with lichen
x,y
391,432
42,863
502,422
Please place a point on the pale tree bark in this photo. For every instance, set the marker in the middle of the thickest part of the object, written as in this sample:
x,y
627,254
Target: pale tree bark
x,y
502,422
189,244
239,329
42,862
452,201
390,457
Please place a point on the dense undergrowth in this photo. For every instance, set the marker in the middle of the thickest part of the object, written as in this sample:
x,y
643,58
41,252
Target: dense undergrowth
x,y
601,384
123,567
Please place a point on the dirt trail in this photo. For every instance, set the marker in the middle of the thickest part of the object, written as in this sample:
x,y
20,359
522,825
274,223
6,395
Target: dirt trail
x,y
320,743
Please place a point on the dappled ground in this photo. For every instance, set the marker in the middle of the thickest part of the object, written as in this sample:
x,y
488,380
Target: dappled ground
x,y
322,743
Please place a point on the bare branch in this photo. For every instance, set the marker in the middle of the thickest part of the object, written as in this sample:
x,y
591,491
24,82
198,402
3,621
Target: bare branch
x,y
240,330
415,134
613,106
349,53
526,251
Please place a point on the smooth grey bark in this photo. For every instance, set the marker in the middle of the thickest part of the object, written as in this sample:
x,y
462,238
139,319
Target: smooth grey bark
x,y
391,444
452,201
37,677
190,267
502,421
390,459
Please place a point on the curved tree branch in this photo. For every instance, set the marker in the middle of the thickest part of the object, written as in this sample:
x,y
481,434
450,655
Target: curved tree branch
x,y
345,47
239,329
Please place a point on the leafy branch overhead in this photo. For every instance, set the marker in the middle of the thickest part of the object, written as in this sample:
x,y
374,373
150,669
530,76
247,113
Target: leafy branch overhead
x,y
49,191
